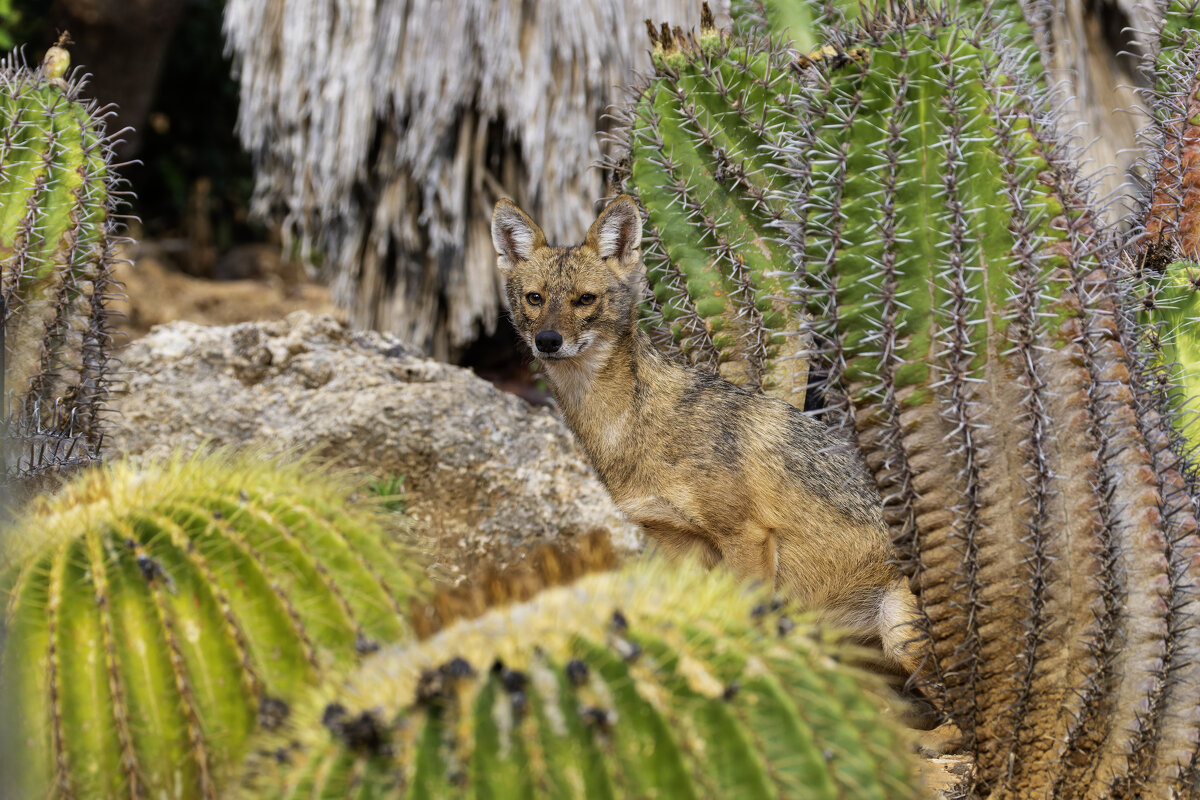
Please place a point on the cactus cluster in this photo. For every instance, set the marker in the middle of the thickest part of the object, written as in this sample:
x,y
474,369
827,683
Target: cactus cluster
x,y
651,681
58,194
974,343
155,618
164,623
969,332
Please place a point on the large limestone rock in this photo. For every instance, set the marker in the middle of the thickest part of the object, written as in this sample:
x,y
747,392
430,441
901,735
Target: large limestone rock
x,y
486,475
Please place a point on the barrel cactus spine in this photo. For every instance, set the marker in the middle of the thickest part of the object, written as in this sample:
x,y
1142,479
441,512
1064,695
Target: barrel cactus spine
x,y
546,566
1168,43
58,225
155,617
1168,312
654,680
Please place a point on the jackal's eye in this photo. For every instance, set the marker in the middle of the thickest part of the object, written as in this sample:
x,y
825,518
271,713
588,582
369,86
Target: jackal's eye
x,y
586,299
533,298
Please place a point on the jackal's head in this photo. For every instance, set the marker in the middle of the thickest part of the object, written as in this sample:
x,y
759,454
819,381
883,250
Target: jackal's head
x,y
567,300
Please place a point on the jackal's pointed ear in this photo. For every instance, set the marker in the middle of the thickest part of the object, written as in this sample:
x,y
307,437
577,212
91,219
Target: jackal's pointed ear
x,y
617,233
514,235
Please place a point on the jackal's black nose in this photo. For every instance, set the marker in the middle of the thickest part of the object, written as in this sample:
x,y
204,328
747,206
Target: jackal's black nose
x,y
548,341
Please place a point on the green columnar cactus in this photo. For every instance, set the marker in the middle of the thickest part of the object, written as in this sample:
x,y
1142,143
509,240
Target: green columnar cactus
x,y
970,336
57,227
701,160
156,617
647,682
975,345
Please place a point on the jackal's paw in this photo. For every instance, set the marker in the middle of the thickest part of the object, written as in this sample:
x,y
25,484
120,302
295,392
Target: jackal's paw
x,y
945,738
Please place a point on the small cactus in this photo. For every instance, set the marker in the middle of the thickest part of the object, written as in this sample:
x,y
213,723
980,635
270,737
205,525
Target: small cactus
x,y
57,227
155,617
647,682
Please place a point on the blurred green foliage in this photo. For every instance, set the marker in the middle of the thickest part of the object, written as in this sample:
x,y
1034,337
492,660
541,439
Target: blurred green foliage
x,y
22,22
390,491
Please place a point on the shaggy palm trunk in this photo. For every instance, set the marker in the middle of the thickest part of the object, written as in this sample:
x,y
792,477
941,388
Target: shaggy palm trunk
x,y
383,133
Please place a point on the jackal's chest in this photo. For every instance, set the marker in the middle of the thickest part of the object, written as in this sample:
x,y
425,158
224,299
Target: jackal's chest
x,y
612,435
657,512
606,438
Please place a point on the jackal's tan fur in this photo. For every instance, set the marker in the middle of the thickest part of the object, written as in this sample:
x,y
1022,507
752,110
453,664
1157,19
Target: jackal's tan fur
x,y
702,465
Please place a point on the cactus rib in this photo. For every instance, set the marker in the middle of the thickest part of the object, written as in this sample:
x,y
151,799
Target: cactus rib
x,y
705,164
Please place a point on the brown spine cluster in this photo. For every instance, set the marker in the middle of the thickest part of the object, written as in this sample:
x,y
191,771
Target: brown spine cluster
x,y
545,567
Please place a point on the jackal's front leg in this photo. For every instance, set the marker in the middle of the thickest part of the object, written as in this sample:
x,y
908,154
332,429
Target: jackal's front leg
x,y
752,552
673,533
676,543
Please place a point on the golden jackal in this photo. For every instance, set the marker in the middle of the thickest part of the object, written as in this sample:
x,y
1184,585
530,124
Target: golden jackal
x,y
702,465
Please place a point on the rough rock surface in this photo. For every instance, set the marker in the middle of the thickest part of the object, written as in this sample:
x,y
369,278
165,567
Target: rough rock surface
x,y
486,474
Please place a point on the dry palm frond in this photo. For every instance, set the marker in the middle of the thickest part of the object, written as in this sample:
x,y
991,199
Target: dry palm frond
x,y
1091,50
384,130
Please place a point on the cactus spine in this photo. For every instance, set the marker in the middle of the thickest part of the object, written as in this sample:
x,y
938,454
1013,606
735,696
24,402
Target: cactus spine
x,y
57,227
1170,312
970,336
1165,250
155,617
647,682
